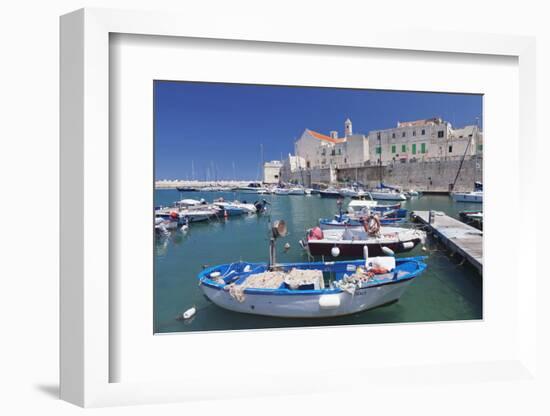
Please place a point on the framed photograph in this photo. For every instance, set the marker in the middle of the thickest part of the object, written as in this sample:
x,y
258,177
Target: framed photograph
x,y
263,207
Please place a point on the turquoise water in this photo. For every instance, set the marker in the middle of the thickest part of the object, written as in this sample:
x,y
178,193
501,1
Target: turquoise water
x,y
446,291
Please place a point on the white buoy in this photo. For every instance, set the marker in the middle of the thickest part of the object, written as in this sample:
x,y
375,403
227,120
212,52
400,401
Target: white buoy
x,y
388,251
424,248
335,251
189,313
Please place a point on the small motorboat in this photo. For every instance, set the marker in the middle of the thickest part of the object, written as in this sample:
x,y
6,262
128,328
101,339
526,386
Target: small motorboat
x,y
186,189
411,193
252,188
475,196
281,191
190,202
230,209
297,190
310,290
387,195
358,205
349,192
349,242
330,193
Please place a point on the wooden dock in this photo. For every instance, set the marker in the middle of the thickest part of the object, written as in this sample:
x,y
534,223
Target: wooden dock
x,y
457,236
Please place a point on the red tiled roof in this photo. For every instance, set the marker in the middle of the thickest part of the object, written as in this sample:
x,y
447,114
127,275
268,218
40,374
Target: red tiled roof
x,y
323,137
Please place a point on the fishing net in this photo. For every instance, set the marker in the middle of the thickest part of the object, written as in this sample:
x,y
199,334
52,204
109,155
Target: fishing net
x,y
274,279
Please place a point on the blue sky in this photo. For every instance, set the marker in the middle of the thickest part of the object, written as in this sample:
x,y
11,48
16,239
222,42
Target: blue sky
x,y
218,128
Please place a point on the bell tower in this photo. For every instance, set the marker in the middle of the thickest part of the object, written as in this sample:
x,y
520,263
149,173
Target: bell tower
x,y
347,128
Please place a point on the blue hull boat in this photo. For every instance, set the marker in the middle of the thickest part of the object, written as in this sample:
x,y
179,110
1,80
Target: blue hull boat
x,y
310,290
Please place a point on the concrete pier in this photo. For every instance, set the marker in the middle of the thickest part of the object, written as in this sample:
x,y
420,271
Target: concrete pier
x,y
457,236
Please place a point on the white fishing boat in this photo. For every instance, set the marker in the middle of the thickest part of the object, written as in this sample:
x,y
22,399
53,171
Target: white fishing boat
x,y
309,290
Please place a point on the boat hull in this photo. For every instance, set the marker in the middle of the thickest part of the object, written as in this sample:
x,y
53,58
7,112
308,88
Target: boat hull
x,y
467,197
298,305
330,195
354,249
388,196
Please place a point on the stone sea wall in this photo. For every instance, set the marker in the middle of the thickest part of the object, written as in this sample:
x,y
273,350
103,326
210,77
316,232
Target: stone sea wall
x,y
427,176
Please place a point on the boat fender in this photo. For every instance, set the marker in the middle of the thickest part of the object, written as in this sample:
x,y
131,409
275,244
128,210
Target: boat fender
x,y
246,268
189,313
408,244
388,251
174,215
335,251
329,301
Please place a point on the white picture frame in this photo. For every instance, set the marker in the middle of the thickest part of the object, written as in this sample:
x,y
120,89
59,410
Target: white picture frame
x,y
86,355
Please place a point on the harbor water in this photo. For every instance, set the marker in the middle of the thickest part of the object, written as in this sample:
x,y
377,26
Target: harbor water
x,y
449,289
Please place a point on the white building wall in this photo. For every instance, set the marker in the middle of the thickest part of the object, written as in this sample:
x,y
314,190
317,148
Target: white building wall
x,y
272,172
422,142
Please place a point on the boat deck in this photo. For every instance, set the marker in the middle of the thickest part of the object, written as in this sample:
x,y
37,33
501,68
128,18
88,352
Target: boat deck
x,y
457,236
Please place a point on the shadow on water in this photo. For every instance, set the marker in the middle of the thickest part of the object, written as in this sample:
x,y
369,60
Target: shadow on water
x,y
448,290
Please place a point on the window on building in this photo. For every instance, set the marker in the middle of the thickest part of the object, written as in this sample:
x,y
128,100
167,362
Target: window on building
x,y
450,149
414,132
422,147
403,148
323,152
423,132
393,148
339,151
414,148
333,153
378,150
480,147
440,134
403,134
393,135
308,165
276,176
345,160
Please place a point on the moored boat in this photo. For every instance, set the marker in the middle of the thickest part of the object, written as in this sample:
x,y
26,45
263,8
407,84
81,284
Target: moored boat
x,y
475,196
349,242
330,193
310,290
387,195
